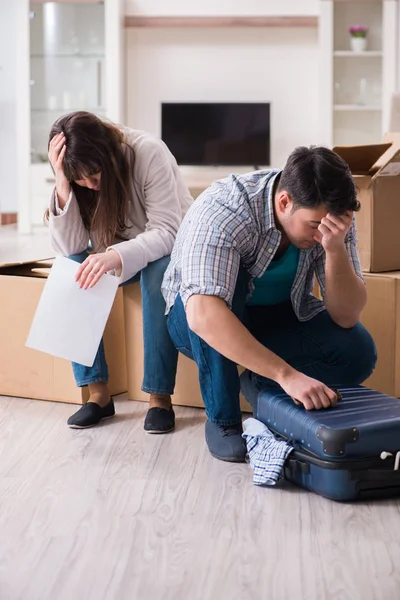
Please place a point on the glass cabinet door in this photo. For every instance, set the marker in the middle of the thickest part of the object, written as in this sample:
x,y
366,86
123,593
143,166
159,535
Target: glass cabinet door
x,y
67,65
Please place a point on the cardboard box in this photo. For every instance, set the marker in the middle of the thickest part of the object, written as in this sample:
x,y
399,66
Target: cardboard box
x,y
376,171
381,317
187,389
28,373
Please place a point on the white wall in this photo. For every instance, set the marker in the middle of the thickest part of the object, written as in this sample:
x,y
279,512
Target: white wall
x,y
222,7
227,65
8,87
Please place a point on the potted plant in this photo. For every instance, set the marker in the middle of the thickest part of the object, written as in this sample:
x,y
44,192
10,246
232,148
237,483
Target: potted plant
x,y
358,38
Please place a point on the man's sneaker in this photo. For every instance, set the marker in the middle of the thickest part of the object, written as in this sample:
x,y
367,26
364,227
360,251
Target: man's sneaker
x,y
90,414
225,442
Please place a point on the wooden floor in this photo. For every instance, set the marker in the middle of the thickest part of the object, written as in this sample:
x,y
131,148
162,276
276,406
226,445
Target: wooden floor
x,y
112,513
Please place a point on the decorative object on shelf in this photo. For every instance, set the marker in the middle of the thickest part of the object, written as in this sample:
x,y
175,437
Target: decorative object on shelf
x,y
358,38
52,102
362,96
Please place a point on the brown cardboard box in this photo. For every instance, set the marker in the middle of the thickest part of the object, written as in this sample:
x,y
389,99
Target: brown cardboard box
x,y
187,389
376,171
28,373
381,317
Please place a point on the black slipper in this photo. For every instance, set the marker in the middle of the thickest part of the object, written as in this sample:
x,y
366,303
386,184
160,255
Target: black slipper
x,y
159,420
90,414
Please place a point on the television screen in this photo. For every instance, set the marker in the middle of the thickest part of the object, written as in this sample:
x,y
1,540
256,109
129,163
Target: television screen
x,y
217,134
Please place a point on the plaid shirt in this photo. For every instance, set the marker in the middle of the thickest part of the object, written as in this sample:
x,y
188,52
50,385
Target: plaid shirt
x,y
232,225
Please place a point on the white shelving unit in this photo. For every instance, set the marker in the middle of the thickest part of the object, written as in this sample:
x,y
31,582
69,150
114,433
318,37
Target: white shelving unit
x,y
352,54
72,60
356,87
356,107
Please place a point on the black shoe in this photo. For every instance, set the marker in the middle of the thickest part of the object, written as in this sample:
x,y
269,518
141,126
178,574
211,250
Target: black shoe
x,y
159,420
225,442
90,414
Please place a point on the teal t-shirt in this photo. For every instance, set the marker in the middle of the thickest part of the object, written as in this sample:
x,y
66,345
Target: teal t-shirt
x,y
275,285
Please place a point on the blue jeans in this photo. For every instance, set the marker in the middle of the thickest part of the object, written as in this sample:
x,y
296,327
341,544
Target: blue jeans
x,y
160,355
318,348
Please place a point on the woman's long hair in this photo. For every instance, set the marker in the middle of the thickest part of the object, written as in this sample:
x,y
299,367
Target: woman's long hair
x,y
95,146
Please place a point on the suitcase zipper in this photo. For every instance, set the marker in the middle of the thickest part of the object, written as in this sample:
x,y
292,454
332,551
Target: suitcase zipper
x,y
353,464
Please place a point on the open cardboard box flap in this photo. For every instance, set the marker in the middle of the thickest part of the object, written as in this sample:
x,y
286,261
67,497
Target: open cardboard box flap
x,y
394,139
32,268
362,160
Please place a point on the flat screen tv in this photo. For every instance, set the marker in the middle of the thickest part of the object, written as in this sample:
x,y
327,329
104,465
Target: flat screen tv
x,y
217,133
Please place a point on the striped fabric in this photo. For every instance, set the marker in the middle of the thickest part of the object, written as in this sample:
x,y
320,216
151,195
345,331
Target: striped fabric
x,y
266,453
232,225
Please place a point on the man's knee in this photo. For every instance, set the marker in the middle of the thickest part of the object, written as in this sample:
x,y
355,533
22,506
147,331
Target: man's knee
x,y
363,353
178,328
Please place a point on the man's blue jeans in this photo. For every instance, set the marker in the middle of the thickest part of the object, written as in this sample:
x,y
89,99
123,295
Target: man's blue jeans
x,y
160,355
318,348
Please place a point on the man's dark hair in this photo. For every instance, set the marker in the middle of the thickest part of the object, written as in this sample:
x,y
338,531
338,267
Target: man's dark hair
x,y
316,175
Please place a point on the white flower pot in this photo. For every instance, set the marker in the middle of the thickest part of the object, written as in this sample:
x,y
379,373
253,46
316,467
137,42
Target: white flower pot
x,y
358,44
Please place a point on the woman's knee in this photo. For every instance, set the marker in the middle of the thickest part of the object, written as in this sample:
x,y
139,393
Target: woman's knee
x,y
80,257
152,275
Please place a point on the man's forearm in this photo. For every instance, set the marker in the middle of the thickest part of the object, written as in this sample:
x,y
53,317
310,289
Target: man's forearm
x,y
345,293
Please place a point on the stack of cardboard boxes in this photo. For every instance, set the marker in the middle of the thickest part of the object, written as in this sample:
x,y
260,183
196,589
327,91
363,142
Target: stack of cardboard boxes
x,y
30,374
376,171
27,373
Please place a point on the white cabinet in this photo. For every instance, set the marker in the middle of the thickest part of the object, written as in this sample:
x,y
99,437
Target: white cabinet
x,y
67,65
356,86
74,61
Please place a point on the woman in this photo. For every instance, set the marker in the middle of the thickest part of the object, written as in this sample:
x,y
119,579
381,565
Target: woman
x,y
119,192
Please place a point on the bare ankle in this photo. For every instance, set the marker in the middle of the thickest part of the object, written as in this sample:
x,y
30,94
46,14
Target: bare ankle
x,y
99,393
160,401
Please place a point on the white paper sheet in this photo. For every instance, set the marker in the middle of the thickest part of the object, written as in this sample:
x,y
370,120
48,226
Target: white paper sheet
x,y
69,322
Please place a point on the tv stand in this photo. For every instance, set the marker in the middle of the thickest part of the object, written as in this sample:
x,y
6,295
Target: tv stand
x,y
199,178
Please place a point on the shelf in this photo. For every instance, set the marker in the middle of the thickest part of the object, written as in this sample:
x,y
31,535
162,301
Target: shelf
x,y
351,54
77,55
70,1
356,107
67,110
221,21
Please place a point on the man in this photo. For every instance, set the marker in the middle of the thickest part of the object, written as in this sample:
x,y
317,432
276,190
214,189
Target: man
x,y
238,289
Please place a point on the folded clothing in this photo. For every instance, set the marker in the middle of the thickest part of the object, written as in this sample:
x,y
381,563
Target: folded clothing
x,y
267,453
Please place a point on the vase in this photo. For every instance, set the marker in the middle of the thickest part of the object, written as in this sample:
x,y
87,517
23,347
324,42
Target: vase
x,y
358,44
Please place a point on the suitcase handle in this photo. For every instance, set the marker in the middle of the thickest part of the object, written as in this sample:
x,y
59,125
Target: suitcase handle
x,y
301,459
368,479
388,475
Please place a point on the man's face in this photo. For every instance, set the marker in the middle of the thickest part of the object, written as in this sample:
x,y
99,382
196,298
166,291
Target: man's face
x,y
299,224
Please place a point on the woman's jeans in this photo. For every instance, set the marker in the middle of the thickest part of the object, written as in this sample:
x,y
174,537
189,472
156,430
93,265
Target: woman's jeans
x,y
160,355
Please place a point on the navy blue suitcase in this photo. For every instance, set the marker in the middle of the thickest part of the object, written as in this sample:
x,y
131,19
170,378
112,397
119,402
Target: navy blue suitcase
x,y
348,452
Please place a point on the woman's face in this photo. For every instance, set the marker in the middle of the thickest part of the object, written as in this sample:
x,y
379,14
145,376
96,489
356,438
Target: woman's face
x,y
92,182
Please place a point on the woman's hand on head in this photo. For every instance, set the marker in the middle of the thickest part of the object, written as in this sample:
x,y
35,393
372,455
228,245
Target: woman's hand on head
x,y
57,149
94,267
